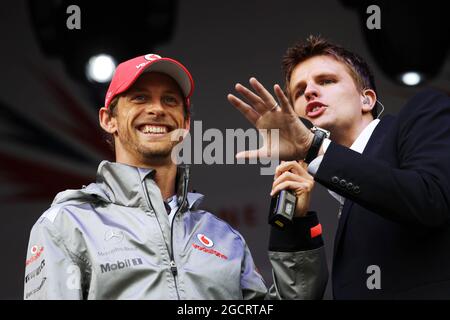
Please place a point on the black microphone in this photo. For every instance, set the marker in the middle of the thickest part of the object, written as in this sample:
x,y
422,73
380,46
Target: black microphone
x,y
282,205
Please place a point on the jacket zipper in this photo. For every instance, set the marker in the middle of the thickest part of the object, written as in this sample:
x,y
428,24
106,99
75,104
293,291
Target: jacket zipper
x,y
173,266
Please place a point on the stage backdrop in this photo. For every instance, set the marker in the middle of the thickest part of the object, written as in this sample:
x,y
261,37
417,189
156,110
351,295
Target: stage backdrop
x,y
50,138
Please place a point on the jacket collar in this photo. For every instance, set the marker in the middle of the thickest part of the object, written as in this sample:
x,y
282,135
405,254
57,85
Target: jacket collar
x,y
123,184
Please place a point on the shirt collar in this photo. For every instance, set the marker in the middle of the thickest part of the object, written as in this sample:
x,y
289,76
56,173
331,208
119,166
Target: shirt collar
x,y
363,138
193,199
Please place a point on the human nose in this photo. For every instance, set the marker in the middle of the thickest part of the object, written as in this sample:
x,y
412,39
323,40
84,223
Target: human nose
x,y
311,92
156,108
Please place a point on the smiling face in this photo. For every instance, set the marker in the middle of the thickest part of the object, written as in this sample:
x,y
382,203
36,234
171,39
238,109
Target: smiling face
x,y
146,116
323,91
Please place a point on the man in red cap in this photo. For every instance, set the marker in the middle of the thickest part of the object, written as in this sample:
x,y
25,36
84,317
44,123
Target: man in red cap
x,y
137,233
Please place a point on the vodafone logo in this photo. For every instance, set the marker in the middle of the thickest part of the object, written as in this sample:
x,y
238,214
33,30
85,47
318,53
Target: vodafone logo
x,y
205,240
141,65
151,57
36,252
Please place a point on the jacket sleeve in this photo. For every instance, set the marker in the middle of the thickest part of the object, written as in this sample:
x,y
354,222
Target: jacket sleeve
x,y
252,282
298,262
414,191
52,272
297,255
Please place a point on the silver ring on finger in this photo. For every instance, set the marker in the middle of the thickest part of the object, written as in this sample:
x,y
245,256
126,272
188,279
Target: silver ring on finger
x,y
275,106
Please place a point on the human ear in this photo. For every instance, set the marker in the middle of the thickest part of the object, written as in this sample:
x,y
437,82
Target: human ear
x,y
368,100
107,122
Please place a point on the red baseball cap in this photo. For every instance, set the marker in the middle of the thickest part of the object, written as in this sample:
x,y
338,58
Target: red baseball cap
x,y
129,71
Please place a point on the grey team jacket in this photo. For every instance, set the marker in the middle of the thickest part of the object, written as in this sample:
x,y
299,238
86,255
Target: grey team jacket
x,y
112,240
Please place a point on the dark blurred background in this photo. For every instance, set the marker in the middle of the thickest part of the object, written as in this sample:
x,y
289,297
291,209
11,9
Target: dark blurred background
x,y
50,137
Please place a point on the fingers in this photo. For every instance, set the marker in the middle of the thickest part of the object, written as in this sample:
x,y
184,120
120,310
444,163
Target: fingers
x,y
287,166
244,108
261,101
298,187
289,176
299,168
249,154
304,165
253,99
265,95
284,101
248,94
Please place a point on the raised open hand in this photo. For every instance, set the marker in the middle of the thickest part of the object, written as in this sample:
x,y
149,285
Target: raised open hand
x,y
284,134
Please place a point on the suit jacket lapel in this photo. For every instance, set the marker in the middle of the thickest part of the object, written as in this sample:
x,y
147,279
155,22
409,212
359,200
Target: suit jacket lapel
x,y
370,150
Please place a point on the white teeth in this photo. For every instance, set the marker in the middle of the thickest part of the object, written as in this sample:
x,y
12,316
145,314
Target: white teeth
x,y
153,129
316,108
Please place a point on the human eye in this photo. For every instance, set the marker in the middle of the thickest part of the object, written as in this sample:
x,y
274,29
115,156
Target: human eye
x,y
139,98
171,100
298,93
326,81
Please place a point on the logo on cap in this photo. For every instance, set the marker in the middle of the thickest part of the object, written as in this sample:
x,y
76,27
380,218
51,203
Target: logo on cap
x,y
205,240
151,57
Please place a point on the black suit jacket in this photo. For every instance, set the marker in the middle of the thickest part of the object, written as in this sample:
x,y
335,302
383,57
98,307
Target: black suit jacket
x,y
397,212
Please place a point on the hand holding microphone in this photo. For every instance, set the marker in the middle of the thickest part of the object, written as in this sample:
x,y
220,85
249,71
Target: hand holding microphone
x,y
291,192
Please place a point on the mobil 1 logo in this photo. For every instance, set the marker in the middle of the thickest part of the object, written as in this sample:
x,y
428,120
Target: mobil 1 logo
x,y
120,264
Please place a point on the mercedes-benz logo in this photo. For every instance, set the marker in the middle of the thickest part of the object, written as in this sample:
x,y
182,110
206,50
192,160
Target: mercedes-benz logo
x,y
114,236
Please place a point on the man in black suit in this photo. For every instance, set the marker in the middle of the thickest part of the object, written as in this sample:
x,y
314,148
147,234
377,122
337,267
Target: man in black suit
x,y
391,176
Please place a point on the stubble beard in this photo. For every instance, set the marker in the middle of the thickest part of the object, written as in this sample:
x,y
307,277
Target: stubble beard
x,y
148,151
159,152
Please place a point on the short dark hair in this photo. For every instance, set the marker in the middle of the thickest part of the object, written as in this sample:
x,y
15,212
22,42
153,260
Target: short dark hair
x,y
316,46
112,112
